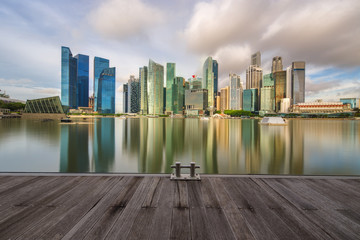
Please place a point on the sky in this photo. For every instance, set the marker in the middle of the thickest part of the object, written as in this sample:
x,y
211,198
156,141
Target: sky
x,y
323,33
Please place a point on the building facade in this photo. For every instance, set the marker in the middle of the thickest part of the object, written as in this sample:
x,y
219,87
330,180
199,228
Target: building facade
x,y
178,95
170,78
235,92
196,100
268,80
82,90
225,98
68,78
280,88
134,94
125,98
208,80
298,82
99,65
256,59
289,83
106,91
276,64
254,77
321,107
143,90
155,85
250,100
354,102
267,101
216,76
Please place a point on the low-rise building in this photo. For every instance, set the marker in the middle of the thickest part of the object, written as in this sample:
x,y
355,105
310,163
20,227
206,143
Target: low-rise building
x,y
321,107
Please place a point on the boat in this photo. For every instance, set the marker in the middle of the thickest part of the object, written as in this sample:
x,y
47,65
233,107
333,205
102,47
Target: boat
x,y
65,120
273,121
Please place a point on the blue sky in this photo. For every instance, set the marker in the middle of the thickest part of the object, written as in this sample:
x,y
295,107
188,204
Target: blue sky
x,y
325,34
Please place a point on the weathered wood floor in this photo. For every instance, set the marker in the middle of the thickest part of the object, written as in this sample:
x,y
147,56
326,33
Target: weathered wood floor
x,y
135,207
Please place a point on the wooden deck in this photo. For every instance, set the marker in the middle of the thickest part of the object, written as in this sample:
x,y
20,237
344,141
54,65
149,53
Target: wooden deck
x,y
153,207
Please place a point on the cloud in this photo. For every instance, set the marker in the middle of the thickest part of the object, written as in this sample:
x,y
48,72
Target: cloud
x,y
319,32
121,19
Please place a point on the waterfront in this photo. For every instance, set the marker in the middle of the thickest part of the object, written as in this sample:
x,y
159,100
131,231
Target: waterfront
x,y
219,146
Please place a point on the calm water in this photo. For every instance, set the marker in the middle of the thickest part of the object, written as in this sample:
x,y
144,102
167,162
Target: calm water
x,y
219,146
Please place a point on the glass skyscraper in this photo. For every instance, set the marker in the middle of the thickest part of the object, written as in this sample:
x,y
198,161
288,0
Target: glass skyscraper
x,y
68,78
298,82
99,65
106,91
280,88
125,97
216,76
170,78
235,92
178,95
250,100
155,87
208,80
143,89
134,94
82,80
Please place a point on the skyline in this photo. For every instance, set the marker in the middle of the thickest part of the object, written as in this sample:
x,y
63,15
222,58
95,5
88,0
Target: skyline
x,y
183,32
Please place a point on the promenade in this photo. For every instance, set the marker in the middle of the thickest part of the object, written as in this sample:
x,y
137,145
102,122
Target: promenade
x,y
56,206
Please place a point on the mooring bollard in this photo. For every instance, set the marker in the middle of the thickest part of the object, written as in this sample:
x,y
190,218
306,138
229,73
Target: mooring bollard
x,y
179,176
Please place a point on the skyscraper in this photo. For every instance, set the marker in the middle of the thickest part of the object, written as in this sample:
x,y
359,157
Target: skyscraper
x,y
276,64
235,92
134,94
170,77
250,100
298,82
178,95
288,82
82,90
143,89
155,85
224,100
68,78
216,76
280,88
208,80
125,98
99,65
253,77
106,91
256,59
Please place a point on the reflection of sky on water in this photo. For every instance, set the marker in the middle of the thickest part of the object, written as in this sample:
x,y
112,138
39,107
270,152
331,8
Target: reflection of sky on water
x,y
219,146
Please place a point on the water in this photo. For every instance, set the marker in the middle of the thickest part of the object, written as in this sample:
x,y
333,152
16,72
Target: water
x,y
219,146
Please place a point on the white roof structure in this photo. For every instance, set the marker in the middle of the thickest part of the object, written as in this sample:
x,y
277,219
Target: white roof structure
x,y
273,121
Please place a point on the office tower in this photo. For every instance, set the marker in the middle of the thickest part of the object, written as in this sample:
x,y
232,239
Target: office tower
x,y
298,82
68,78
125,98
267,101
253,77
196,101
186,85
143,89
216,76
195,82
134,94
218,101
250,100
164,100
155,87
288,82
280,88
99,65
276,64
106,91
170,77
224,100
208,80
268,80
82,80
179,94
256,59
235,92
284,105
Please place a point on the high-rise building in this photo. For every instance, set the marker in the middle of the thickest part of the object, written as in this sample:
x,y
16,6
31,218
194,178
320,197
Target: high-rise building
x,y
216,76
179,94
250,100
267,101
134,94
143,88
235,92
276,64
195,82
125,98
82,90
208,80
99,65
155,85
68,78
224,100
280,88
196,100
253,77
170,77
288,82
106,91
298,82
268,80
256,59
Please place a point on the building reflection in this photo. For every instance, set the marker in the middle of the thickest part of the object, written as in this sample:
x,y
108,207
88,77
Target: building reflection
x,y
103,145
74,154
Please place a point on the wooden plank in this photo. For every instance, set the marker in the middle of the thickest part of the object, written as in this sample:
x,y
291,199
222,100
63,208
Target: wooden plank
x,y
62,205
180,225
114,209
17,185
299,222
123,224
14,181
199,223
236,220
161,224
219,226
